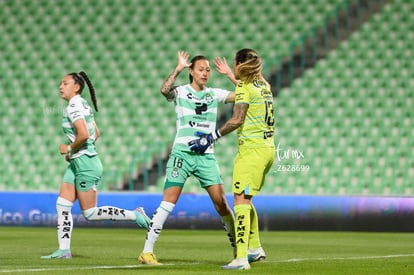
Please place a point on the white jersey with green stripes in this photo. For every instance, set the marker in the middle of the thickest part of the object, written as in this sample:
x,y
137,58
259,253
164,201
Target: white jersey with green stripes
x,y
78,108
196,111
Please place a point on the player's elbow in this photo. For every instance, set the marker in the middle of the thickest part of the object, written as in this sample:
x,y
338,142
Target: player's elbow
x,y
169,95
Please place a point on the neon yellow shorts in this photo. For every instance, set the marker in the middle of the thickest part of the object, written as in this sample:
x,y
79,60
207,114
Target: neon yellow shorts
x,y
85,172
250,168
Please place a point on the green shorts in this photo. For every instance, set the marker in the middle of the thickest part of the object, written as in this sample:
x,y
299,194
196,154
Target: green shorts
x,y
182,165
85,172
250,168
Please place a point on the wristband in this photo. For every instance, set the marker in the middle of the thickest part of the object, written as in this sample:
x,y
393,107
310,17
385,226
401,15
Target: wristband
x,y
69,150
216,134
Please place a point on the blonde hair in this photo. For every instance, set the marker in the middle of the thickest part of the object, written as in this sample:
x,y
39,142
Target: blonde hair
x,y
250,65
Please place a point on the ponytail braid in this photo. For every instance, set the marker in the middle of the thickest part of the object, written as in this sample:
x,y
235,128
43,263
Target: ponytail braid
x,y
91,89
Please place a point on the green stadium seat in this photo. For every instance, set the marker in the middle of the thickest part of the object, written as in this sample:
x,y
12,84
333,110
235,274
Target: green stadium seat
x,y
128,62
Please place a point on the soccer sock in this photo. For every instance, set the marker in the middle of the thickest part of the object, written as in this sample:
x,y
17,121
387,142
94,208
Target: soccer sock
x,y
157,222
64,222
254,240
228,224
108,213
242,226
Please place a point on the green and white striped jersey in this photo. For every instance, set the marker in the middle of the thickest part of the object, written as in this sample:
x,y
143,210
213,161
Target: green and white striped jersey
x,y
196,111
78,108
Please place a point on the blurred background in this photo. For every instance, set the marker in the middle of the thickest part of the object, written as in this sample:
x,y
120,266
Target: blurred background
x,y
341,75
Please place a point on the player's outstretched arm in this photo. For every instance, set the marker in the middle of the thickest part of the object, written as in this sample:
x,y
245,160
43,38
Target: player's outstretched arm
x,y
167,87
201,144
237,119
223,68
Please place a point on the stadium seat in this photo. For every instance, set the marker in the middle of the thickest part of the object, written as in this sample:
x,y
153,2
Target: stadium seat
x,y
128,49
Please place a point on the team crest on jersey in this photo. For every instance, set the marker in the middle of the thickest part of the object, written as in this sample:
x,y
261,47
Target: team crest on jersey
x,y
174,172
209,98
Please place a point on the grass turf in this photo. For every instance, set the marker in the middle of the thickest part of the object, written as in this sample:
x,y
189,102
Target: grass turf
x,y
114,251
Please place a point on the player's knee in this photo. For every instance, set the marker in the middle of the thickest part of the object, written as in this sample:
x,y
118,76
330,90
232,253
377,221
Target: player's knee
x,y
63,204
89,214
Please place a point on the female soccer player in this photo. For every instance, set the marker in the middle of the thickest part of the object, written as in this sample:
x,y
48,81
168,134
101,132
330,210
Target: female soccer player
x,y
254,118
196,109
84,172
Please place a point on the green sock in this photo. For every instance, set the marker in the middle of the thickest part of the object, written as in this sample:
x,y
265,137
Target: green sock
x,y
242,227
254,240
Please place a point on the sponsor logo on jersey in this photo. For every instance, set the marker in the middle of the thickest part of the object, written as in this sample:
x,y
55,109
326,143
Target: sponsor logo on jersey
x,y
239,96
258,83
201,117
200,108
208,98
75,114
198,124
267,93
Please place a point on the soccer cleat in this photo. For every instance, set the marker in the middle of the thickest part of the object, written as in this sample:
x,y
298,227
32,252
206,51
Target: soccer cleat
x,y
237,264
256,255
148,258
59,254
141,218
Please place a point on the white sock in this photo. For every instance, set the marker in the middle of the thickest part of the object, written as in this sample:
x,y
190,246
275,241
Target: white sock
x,y
157,222
64,222
108,213
228,224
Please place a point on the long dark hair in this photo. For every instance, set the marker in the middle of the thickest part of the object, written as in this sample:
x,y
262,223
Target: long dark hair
x,y
193,61
80,78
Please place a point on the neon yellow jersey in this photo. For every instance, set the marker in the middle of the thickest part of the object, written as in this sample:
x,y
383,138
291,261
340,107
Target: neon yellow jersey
x,y
258,127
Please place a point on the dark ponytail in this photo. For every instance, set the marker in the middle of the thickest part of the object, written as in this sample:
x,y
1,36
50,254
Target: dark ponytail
x,y
91,89
81,78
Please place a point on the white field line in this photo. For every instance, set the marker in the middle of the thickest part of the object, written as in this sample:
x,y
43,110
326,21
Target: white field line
x,y
140,265
342,258
77,268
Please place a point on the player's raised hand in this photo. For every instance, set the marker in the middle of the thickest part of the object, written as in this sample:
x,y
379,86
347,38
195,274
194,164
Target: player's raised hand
x,y
223,68
182,60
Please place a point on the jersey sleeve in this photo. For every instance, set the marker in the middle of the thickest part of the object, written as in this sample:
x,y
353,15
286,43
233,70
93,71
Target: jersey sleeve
x,y
221,94
242,95
74,111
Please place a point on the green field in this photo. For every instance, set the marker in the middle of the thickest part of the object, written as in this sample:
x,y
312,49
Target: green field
x,y
115,251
